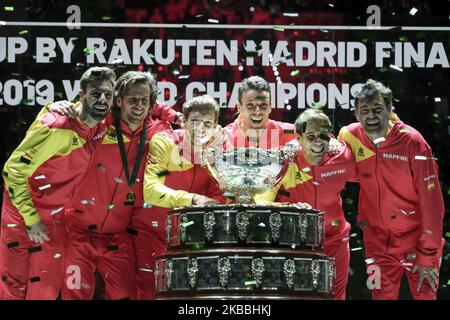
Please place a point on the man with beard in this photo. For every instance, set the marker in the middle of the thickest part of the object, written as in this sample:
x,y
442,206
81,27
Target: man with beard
x,y
316,178
253,128
99,216
175,177
400,202
40,178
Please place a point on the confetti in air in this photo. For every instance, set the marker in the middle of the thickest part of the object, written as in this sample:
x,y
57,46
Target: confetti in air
x,y
56,211
392,66
379,140
45,187
187,224
370,260
413,11
278,28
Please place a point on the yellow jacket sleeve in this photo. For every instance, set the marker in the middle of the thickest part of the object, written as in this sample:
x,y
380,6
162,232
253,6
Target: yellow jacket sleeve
x,y
40,144
158,165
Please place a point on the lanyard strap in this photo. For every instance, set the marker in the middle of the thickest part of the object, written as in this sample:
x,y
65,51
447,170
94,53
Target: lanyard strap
x,y
130,181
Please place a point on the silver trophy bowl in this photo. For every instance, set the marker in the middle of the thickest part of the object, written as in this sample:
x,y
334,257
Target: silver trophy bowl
x,y
245,172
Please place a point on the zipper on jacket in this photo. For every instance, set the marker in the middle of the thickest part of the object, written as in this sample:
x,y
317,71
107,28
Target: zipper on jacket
x,y
379,199
117,185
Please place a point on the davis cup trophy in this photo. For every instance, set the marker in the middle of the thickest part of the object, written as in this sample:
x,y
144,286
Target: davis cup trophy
x,y
245,250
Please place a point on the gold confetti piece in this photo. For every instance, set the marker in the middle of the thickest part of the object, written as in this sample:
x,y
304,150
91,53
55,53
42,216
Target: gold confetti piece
x,y
8,8
430,186
295,72
307,169
187,224
336,223
57,255
23,32
248,283
404,130
12,225
278,28
45,187
56,211
106,18
110,206
356,249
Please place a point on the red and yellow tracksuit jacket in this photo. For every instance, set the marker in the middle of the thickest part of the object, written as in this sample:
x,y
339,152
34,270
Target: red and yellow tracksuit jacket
x,y
171,179
99,207
43,172
41,177
275,136
320,186
400,197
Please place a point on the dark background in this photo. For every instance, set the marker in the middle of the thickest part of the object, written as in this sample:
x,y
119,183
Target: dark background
x,y
414,88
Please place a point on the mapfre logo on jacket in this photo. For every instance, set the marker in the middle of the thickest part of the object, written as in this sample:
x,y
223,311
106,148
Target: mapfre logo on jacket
x,y
394,156
332,173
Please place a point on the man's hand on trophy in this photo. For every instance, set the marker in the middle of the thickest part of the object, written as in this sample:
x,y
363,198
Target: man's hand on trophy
x,y
200,200
218,138
303,205
64,107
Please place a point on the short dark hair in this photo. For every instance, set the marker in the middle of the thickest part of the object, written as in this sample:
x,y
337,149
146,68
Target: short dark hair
x,y
203,104
372,88
253,83
311,115
130,78
96,74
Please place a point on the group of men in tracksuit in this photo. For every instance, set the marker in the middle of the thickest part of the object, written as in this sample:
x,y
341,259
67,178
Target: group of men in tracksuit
x,y
100,204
